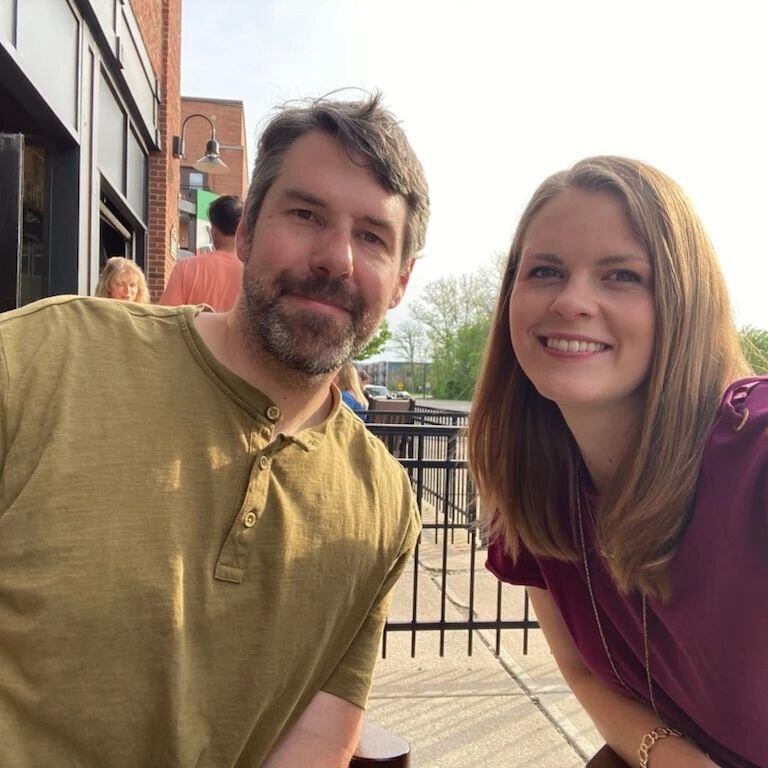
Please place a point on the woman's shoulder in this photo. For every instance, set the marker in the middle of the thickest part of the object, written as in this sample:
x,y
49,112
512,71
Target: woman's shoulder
x,y
737,446
725,539
744,406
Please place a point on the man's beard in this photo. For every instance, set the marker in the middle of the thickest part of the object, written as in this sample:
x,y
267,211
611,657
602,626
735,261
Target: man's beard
x,y
307,342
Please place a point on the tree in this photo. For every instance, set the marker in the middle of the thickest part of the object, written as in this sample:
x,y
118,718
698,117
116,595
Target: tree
x,y
754,342
456,312
409,341
377,342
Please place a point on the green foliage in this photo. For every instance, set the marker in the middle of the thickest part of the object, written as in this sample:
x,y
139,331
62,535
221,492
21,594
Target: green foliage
x,y
754,342
456,314
377,343
456,362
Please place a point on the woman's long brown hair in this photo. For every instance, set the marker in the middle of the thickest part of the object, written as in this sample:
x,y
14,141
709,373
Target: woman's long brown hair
x,y
523,457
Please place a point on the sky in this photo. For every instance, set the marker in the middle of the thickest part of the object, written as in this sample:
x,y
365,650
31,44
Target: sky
x,y
495,95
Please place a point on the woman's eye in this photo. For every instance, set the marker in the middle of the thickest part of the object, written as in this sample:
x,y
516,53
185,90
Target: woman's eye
x,y
625,276
543,272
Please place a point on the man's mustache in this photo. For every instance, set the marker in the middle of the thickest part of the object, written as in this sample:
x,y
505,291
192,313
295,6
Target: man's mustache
x,y
323,289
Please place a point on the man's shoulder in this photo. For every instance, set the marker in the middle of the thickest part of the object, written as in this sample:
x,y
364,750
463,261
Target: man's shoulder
x,y
47,321
65,312
362,445
210,257
72,306
63,303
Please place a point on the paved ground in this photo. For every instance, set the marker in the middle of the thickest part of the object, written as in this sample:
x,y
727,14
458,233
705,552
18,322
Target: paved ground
x,y
462,711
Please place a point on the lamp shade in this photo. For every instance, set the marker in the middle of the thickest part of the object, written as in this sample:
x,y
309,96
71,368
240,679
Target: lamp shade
x,y
210,162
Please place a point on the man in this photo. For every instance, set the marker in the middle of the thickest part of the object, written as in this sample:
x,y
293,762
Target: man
x,y
211,278
197,542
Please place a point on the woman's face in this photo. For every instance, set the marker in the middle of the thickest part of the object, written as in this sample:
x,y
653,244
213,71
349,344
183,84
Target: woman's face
x,y
582,313
124,286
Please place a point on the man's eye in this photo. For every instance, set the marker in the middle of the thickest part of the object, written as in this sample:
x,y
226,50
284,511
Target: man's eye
x,y
370,237
303,214
543,272
625,276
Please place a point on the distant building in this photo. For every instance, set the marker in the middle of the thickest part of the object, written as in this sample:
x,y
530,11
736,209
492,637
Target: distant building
x,y
398,374
90,103
199,188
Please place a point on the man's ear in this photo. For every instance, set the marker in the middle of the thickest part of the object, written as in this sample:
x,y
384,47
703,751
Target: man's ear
x,y
242,246
402,282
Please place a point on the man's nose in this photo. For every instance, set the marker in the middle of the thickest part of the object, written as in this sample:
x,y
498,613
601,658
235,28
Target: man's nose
x,y
333,254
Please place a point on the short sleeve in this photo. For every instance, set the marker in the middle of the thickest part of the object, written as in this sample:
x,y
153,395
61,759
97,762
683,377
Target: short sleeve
x,y
351,680
173,295
524,571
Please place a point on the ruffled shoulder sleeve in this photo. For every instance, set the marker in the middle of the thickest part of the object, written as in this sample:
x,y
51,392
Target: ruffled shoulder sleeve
x,y
524,571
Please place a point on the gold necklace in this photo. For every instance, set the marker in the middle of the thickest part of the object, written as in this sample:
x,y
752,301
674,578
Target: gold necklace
x,y
644,614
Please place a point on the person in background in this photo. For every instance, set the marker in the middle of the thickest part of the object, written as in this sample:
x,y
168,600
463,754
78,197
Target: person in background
x,y
151,579
619,445
348,381
122,279
212,278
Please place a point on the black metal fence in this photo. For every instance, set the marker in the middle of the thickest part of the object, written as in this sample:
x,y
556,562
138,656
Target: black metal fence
x,y
432,447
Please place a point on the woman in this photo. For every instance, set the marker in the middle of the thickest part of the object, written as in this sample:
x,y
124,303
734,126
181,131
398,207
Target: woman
x,y
348,381
122,279
624,466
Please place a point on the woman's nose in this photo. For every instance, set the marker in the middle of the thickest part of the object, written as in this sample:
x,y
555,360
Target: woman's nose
x,y
575,299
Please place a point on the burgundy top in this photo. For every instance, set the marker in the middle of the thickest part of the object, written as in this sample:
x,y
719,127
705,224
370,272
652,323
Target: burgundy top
x,y
709,643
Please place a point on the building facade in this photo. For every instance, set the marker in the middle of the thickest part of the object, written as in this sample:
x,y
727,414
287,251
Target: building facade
x,y
90,102
197,187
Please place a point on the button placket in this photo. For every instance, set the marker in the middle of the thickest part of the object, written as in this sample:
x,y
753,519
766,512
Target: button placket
x,y
273,413
235,551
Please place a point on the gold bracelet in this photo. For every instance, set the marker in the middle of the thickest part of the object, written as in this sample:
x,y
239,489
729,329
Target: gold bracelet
x,y
650,738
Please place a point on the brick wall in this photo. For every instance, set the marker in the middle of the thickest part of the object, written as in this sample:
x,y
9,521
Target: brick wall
x,y
160,25
228,117
149,15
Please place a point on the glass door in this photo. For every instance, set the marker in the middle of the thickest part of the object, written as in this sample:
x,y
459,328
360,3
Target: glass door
x,y
11,218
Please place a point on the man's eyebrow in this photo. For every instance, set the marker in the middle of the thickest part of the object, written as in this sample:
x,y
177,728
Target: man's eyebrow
x,y
301,195
294,193
378,223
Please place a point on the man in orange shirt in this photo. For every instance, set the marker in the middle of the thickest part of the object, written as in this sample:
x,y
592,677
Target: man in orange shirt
x,y
211,278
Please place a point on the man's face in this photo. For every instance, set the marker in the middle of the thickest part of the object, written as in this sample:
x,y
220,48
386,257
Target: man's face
x,y
324,262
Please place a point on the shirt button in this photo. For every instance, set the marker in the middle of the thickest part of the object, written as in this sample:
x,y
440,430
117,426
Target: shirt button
x,y
273,413
249,520
266,433
263,462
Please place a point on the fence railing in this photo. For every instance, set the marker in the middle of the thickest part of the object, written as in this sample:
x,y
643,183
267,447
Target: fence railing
x,y
450,555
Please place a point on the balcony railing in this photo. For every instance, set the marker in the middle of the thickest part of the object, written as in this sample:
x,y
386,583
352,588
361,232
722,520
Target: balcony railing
x,y
449,558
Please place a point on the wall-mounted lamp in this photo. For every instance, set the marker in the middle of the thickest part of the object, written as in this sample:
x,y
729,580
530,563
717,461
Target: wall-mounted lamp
x,y
210,162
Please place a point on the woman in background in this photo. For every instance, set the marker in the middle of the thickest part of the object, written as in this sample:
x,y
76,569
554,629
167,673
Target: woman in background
x,y
348,381
122,279
623,466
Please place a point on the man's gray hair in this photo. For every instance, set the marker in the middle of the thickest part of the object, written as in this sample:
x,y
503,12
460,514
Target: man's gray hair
x,y
371,137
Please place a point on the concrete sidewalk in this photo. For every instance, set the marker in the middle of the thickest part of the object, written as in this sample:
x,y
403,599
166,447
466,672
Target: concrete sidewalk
x,y
462,711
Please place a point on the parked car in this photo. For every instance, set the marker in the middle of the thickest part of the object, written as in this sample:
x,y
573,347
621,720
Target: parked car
x,y
377,390
402,394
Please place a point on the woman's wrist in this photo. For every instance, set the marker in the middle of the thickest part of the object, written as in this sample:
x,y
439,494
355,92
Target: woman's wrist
x,y
665,747
650,739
